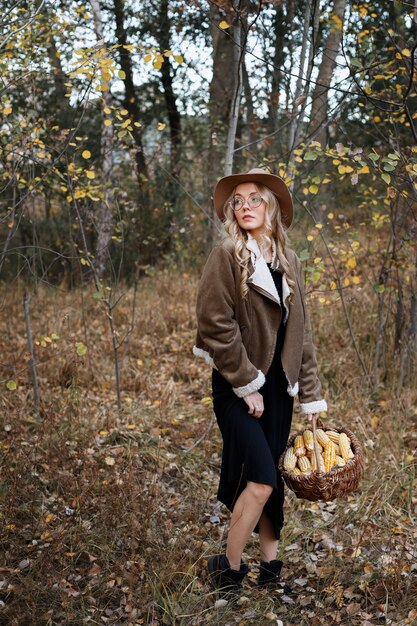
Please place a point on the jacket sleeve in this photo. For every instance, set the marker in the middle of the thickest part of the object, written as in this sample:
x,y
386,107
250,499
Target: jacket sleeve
x,y
309,384
217,325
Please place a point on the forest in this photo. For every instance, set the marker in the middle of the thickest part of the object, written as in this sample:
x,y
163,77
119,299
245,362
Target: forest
x,y
117,117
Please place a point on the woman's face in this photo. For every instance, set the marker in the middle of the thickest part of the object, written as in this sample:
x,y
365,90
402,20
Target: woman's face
x,y
250,218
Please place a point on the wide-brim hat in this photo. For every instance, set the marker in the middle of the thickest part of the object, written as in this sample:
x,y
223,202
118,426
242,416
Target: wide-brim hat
x,y
278,187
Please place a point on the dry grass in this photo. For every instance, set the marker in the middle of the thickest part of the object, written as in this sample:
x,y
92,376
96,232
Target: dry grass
x,y
106,515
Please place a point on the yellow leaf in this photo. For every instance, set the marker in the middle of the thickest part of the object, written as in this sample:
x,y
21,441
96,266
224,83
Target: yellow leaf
x,y
356,280
7,110
11,385
333,285
90,174
346,282
49,518
122,74
139,362
364,170
157,65
351,263
179,59
107,111
107,122
148,58
161,126
319,226
406,52
86,154
330,216
313,189
223,25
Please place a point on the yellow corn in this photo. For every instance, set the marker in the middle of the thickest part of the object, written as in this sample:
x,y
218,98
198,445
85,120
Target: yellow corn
x,y
297,471
345,449
333,435
304,464
290,460
308,439
337,449
313,462
322,437
299,449
340,461
329,457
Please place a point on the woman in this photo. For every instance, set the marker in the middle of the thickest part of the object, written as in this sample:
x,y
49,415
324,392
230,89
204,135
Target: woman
x,y
254,330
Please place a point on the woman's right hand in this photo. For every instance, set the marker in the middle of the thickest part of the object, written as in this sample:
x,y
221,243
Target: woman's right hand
x,y
255,403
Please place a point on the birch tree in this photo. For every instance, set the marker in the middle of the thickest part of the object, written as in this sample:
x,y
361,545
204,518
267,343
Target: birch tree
x,y
104,222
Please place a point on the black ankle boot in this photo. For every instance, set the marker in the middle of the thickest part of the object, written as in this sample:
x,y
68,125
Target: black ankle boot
x,y
228,581
269,576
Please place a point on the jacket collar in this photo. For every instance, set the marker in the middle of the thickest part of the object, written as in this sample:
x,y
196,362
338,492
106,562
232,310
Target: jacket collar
x,y
261,278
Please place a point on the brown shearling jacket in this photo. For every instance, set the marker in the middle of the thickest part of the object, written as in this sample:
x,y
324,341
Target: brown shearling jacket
x,y
238,335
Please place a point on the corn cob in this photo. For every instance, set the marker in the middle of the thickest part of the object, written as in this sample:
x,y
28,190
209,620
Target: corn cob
x,y
340,461
329,457
333,436
345,448
299,449
322,438
304,464
290,460
313,462
297,471
337,449
308,439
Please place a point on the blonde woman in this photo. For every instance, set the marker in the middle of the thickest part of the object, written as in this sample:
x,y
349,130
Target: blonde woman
x,y
254,330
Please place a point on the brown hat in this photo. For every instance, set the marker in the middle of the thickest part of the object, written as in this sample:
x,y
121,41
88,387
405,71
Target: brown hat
x,y
278,187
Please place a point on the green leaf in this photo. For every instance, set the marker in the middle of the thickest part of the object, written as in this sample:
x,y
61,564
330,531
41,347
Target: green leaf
x,y
379,288
81,348
310,155
304,255
389,167
355,62
11,385
98,295
386,177
374,157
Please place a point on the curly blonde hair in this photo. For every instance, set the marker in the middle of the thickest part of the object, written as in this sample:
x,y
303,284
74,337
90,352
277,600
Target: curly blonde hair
x,y
274,236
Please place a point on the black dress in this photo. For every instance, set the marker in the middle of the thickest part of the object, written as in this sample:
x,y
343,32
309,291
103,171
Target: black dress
x,y
252,446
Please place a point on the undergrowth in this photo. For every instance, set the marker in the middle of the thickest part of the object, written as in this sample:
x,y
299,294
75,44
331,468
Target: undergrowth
x,y
108,516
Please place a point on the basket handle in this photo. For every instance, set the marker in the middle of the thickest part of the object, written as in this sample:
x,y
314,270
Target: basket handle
x,y
316,447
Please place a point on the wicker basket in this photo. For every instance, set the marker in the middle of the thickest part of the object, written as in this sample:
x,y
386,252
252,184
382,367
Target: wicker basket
x,y
337,483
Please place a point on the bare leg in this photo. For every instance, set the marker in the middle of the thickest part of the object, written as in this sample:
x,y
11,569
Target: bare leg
x,y
267,541
245,516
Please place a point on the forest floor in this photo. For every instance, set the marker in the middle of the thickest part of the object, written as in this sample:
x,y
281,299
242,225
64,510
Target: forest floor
x,y
108,516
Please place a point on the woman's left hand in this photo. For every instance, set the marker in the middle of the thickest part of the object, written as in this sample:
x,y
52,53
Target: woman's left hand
x,y
311,415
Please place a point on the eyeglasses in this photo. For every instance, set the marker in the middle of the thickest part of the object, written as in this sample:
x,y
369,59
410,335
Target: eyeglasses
x,y
253,202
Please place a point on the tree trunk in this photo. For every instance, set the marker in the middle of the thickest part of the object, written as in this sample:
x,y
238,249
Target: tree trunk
x,y
312,10
174,118
222,89
319,107
130,100
105,218
236,73
279,30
